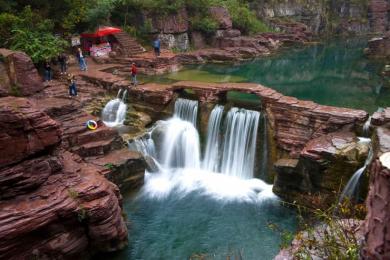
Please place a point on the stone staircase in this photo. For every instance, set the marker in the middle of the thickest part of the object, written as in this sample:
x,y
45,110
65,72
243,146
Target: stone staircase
x,y
129,46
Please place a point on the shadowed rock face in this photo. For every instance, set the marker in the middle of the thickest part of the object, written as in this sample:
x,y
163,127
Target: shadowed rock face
x,y
18,75
377,223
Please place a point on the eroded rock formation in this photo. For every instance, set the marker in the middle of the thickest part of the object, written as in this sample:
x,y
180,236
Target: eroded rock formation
x,y
18,75
377,223
56,201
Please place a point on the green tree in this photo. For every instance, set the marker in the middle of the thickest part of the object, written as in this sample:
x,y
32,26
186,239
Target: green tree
x,y
40,46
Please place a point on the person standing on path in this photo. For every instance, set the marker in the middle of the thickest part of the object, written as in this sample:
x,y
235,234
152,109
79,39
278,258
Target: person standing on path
x,y
82,63
72,87
133,74
62,61
157,46
48,72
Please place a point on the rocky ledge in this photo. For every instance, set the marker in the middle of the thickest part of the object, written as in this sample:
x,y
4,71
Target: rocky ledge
x,y
55,196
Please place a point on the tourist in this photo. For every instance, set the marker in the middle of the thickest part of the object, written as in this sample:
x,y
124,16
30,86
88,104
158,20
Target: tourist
x,y
156,46
48,72
72,86
82,62
133,74
62,60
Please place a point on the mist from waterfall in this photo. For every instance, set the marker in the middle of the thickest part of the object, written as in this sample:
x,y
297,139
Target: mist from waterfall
x,y
114,112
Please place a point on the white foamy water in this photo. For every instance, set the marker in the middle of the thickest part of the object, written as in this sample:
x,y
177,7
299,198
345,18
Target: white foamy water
x,y
114,112
215,185
179,154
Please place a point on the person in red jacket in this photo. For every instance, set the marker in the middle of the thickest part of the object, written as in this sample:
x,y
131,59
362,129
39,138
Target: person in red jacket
x,y
133,74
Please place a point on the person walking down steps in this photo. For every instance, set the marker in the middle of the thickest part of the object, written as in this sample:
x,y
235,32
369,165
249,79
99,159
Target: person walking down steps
x,y
133,74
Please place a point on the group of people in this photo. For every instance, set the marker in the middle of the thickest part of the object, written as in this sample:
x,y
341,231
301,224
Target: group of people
x,y
63,62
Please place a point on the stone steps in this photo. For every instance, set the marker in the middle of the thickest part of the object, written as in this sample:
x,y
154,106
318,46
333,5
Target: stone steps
x,y
129,45
97,148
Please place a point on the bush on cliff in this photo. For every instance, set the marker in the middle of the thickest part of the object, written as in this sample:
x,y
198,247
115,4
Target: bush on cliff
x,y
243,18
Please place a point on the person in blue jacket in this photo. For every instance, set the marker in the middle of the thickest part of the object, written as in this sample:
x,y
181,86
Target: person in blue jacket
x,y
157,46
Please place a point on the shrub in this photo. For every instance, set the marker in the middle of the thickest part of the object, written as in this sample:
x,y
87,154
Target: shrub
x,y
40,46
204,24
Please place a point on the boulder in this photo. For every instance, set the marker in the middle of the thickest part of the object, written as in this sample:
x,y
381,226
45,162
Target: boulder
x,y
24,130
381,118
222,16
18,75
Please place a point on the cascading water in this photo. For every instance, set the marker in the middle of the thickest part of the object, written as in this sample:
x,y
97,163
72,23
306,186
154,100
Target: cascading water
x,y
189,209
240,143
366,127
350,190
181,145
114,113
211,157
144,144
186,110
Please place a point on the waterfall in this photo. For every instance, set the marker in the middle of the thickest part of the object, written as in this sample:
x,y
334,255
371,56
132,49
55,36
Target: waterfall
x,y
119,95
366,127
351,188
240,143
144,145
226,172
114,112
181,145
186,110
211,157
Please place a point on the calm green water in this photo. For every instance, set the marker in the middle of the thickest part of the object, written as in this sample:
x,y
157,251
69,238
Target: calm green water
x,y
334,73
178,227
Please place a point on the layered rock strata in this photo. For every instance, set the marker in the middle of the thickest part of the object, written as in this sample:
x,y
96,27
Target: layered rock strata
x,y
53,204
19,76
377,223
56,201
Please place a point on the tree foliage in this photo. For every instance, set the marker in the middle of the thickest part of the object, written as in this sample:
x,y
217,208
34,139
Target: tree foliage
x,y
40,46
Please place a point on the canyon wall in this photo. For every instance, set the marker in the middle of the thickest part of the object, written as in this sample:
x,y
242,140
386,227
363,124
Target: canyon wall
x,y
321,17
55,199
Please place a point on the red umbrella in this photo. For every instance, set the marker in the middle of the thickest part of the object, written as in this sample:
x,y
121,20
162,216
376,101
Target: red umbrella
x,y
102,31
